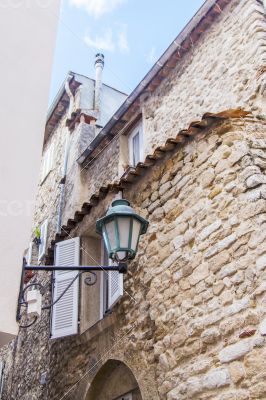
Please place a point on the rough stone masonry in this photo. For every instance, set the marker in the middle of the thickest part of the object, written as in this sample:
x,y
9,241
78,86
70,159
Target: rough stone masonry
x,y
192,321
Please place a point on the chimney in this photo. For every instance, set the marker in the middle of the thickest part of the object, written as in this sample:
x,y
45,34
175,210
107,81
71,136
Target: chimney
x,y
99,64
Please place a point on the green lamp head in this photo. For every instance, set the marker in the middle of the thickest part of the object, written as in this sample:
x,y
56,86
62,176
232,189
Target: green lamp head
x,y
121,228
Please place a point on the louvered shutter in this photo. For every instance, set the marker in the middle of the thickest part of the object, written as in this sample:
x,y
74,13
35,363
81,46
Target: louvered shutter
x,y
44,165
1,376
29,254
50,158
65,311
42,245
115,286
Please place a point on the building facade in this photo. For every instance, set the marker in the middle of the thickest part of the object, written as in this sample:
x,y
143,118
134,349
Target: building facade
x,y
187,149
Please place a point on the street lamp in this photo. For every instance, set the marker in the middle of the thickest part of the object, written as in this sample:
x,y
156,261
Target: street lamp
x,y
121,228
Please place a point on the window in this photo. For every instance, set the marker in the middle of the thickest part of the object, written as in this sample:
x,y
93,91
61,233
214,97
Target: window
x,y
105,261
43,237
29,254
135,144
2,365
47,162
65,311
83,305
112,284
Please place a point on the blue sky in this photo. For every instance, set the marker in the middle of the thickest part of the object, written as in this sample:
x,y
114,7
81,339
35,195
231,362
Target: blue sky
x,y
132,34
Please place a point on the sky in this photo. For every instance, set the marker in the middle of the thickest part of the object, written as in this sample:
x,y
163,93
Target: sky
x,y
132,35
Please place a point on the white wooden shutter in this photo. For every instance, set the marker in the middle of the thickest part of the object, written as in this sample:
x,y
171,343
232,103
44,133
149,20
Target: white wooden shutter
x,y
115,286
1,376
42,245
64,166
48,161
65,311
29,254
50,157
44,165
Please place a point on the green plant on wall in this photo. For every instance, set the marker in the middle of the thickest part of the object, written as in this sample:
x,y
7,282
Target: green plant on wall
x,y
37,232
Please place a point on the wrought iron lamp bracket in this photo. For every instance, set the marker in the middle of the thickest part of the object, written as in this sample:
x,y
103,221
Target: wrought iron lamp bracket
x,y
90,281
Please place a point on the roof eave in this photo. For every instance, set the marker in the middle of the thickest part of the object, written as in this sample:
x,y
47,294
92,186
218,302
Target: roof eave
x,y
140,88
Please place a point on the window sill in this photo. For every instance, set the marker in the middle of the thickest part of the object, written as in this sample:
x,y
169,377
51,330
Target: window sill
x,y
104,323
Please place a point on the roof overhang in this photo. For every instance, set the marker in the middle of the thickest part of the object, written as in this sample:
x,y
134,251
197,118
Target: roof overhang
x,y
59,105
183,42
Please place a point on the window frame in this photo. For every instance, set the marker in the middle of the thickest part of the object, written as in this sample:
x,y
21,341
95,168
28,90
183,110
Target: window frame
x,y
104,284
47,162
29,253
2,367
137,130
105,289
43,238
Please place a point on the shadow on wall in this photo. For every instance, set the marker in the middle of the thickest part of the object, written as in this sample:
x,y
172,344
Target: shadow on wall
x,y
113,382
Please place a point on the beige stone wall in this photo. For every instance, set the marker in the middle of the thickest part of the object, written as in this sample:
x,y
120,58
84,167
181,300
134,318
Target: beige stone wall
x,y
220,72
47,200
191,323
201,267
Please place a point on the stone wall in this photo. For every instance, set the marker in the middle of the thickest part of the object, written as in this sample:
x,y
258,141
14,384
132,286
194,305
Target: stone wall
x,y
202,266
82,183
191,323
48,195
222,71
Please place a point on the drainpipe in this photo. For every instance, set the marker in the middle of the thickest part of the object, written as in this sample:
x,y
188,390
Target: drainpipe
x,y
64,168
99,64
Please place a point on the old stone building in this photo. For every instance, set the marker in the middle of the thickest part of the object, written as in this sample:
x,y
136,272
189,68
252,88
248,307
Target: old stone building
x,y
187,148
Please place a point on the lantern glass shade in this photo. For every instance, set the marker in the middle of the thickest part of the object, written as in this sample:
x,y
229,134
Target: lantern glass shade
x,y
110,233
121,229
135,234
124,230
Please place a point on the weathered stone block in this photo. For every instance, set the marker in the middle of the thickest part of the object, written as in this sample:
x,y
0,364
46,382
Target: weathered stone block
x,y
215,378
238,350
239,151
263,327
206,178
199,274
261,262
208,230
219,260
218,287
178,242
210,335
223,244
255,180
217,190
237,371
166,186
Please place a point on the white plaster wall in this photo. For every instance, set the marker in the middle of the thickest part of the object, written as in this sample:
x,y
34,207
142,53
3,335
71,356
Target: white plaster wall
x,y
27,39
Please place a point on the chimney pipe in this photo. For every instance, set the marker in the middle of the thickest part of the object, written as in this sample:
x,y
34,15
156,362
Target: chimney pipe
x,y
99,64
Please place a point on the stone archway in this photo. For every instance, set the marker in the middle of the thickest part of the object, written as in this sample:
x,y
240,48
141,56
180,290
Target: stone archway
x,y
113,381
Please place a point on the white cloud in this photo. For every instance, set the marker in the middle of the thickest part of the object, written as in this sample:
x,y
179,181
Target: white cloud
x,y
122,41
151,56
96,8
109,41
104,42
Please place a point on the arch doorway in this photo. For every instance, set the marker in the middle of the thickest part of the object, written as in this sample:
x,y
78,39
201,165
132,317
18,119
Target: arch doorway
x,y
114,381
